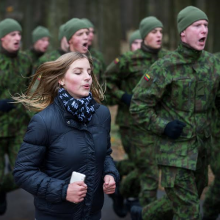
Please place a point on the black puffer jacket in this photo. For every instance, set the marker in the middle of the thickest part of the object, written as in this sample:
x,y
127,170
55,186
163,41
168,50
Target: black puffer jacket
x,y
53,147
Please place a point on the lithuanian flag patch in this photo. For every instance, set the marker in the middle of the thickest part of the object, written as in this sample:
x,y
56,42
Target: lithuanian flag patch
x,y
116,60
147,77
39,77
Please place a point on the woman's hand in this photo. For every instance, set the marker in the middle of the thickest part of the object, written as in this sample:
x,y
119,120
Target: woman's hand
x,y
76,192
109,184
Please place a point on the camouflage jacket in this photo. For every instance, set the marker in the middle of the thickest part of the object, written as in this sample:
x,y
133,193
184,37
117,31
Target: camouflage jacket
x,y
183,86
34,57
14,73
50,56
99,56
123,74
98,70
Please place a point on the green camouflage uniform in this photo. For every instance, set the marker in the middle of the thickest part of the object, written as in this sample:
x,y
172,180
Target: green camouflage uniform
x,y
34,57
14,72
121,76
182,86
98,70
98,55
51,56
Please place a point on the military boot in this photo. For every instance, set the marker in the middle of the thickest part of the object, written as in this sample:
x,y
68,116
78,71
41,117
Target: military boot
x,y
136,213
3,203
118,204
132,202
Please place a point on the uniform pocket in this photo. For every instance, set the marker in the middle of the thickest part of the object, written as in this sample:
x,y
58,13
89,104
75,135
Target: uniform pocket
x,y
169,146
181,93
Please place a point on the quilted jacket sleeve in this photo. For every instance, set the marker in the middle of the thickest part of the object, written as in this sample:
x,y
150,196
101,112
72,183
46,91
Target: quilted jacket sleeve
x,y
27,171
109,165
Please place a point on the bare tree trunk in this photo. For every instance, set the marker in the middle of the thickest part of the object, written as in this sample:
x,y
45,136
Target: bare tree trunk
x,y
55,15
28,22
2,9
110,28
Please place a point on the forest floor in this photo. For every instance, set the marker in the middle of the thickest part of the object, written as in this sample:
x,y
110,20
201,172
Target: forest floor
x,y
119,154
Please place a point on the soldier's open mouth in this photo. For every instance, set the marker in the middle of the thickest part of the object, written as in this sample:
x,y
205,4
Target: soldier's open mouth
x,y
85,44
202,39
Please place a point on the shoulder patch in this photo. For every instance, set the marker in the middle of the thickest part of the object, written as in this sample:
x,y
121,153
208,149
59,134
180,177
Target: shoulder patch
x,y
39,77
116,61
147,77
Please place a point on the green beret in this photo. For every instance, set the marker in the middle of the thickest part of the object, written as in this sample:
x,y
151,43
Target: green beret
x,y
40,32
73,25
134,36
89,23
61,32
9,25
189,15
148,24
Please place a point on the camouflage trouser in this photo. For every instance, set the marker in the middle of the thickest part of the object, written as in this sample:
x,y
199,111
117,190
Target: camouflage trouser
x,y
126,166
184,188
9,146
212,200
160,209
143,180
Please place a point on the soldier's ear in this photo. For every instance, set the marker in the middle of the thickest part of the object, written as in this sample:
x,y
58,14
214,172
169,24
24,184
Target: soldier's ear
x,y
182,34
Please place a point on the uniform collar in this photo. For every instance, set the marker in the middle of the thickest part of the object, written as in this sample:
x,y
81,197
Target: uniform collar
x,y
148,49
61,52
36,53
8,54
188,51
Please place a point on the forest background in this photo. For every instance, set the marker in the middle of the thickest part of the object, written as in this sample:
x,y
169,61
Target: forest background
x,y
114,20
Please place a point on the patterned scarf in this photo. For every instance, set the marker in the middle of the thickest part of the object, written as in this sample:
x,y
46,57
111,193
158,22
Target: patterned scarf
x,y
81,109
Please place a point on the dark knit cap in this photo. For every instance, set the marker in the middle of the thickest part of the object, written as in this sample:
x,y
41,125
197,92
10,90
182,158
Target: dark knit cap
x,y
9,25
189,15
148,24
89,23
61,32
134,36
40,32
73,25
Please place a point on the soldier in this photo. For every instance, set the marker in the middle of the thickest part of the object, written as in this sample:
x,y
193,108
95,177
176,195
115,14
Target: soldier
x,y
121,76
174,100
135,40
53,55
94,52
15,66
77,32
41,41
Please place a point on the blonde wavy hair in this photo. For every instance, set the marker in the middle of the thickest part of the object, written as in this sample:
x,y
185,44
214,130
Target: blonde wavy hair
x,y
50,73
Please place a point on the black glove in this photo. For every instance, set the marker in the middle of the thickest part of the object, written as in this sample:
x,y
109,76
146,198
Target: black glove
x,y
5,106
174,129
126,98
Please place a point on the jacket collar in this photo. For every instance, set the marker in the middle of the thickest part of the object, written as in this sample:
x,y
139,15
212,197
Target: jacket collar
x,y
8,54
148,49
68,117
188,52
36,53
